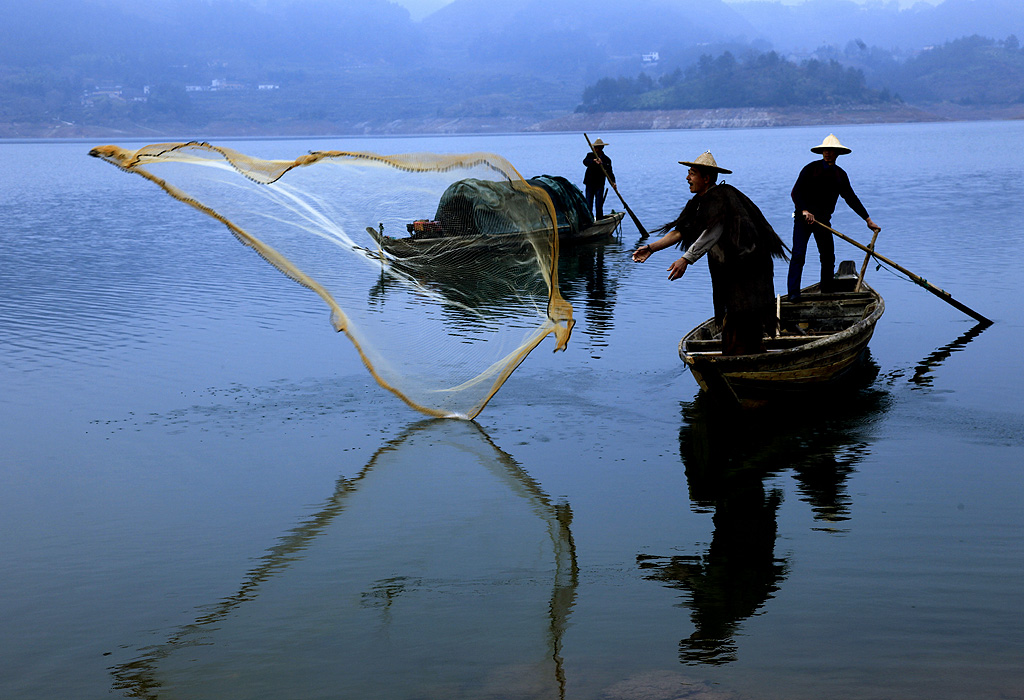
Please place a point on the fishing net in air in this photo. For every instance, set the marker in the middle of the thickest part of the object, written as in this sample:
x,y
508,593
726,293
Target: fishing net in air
x,y
441,269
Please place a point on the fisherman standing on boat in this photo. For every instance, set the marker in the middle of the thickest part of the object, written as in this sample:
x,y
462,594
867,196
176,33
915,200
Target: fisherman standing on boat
x,y
817,189
597,164
722,221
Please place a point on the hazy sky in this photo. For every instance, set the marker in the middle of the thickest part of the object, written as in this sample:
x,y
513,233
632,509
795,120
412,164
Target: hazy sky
x,y
421,8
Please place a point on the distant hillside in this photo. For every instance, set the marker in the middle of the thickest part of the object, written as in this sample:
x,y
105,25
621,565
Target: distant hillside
x,y
761,80
968,71
305,66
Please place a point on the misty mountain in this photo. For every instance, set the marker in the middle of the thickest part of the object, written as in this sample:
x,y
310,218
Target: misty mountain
x,y
583,38
317,32
801,28
238,62
580,37
559,35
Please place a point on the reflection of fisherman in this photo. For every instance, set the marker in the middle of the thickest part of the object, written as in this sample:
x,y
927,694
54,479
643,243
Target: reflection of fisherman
x,y
594,178
739,572
721,221
817,189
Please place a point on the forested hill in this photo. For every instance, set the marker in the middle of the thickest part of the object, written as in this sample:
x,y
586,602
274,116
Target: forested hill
x,y
762,80
972,70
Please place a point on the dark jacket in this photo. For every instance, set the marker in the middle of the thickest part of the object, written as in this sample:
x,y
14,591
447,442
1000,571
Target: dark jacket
x,y
741,267
818,188
593,176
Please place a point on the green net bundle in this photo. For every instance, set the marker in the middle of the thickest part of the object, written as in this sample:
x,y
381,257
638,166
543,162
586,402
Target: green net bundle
x,y
441,269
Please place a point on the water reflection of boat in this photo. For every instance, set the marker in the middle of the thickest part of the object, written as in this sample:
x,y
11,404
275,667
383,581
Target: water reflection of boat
x,y
484,216
727,477
388,619
823,338
475,295
583,272
504,284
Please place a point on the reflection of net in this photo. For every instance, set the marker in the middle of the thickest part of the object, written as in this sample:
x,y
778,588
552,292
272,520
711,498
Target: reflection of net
x,y
381,593
440,310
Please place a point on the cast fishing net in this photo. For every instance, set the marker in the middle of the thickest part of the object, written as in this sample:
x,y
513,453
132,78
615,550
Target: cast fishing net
x,y
441,269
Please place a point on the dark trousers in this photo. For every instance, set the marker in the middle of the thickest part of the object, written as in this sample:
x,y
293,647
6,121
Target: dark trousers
x,y
743,333
802,233
595,196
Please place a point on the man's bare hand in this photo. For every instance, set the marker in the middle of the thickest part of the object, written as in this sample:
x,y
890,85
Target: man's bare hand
x,y
642,253
676,269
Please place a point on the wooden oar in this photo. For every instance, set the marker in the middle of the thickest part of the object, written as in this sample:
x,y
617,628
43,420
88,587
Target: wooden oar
x,y
941,294
639,226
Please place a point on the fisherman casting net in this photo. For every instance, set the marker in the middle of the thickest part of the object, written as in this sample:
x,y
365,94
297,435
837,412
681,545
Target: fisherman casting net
x,y
441,269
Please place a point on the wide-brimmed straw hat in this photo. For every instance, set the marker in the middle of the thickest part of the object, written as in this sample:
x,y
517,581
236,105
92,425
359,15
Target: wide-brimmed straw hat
x,y
831,143
705,160
598,143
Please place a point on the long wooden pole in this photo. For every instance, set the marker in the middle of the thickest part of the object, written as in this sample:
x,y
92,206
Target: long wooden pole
x,y
941,294
639,226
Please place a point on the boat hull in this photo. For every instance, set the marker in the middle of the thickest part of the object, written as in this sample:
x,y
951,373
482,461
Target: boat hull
x,y
602,230
824,341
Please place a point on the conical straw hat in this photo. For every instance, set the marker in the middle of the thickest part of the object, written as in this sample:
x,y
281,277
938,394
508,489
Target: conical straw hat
x,y
598,143
705,160
831,142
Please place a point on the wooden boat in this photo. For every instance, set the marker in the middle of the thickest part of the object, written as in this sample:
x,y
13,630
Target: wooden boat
x,y
437,242
483,216
822,340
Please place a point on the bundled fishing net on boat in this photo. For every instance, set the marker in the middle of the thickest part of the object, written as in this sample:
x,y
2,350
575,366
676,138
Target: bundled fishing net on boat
x,y
441,312
570,205
495,210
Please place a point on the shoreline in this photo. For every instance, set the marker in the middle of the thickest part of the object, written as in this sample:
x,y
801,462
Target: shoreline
x,y
720,118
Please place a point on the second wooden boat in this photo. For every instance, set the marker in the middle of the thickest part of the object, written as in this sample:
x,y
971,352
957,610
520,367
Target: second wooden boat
x,y
485,216
822,339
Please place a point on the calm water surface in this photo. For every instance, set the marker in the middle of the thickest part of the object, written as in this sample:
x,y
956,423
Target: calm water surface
x,y
205,494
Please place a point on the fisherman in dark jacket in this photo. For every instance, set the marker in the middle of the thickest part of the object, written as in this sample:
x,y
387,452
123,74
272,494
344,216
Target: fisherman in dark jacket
x,y
820,185
740,243
594,178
